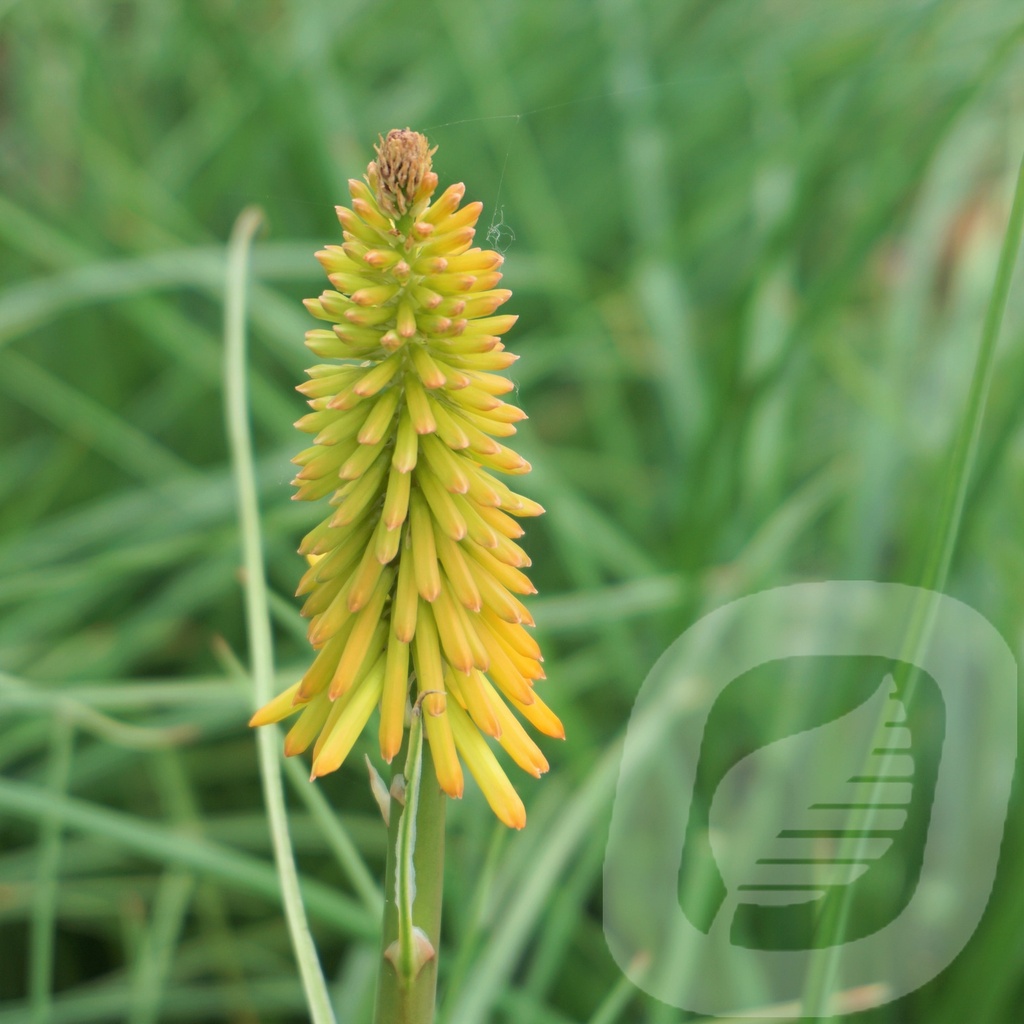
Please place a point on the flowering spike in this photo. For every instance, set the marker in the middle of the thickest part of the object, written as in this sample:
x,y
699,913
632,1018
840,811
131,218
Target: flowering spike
x,y
416,566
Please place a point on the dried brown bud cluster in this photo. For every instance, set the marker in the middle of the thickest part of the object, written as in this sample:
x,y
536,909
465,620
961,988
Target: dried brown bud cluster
x,y
403,161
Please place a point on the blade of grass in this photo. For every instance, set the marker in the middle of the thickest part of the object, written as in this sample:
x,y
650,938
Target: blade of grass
x,y
153,965
615,1002
257,611
825,964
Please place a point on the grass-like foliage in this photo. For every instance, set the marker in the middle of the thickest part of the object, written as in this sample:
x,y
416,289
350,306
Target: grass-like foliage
x,y
751,246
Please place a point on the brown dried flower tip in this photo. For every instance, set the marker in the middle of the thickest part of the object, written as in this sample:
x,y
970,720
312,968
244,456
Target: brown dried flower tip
x,y
403,161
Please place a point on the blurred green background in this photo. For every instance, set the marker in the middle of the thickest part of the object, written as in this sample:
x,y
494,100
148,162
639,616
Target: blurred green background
x,y
751,245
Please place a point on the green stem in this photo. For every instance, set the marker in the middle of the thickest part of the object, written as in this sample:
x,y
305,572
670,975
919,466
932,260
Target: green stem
x,y
413,1003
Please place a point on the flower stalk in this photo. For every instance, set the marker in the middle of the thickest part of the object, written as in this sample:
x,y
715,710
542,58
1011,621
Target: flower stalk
x,y
415,583
407,980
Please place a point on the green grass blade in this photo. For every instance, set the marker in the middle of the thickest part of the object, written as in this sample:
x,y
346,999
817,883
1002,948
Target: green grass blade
x,y
258,613
825,964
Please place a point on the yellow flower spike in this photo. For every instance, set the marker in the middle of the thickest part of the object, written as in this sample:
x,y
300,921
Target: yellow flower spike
x,y
463,343
454,380
310,424
495,358
318,464
355,228
504,413
451,243
489,425
529,668
334,259
418,566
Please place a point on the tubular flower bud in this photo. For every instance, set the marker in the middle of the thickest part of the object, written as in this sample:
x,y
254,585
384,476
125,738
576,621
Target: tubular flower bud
x,y
414,570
